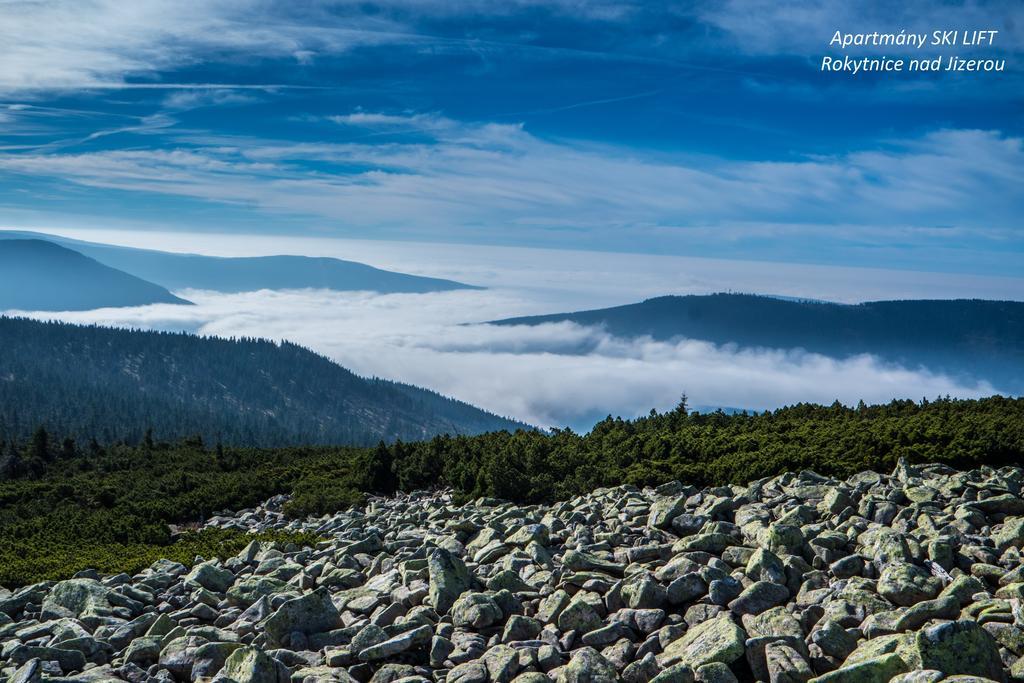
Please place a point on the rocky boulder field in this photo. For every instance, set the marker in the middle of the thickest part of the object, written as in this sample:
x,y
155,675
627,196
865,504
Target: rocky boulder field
x,y
913,576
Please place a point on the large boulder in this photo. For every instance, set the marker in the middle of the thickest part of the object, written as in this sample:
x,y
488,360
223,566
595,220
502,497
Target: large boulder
x,y
715,640
587,666
959,647
211,576
312,613
475,610
449,578
251,665
906,584
87,600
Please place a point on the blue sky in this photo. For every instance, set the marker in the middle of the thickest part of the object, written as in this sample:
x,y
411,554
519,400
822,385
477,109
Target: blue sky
x,y
694,129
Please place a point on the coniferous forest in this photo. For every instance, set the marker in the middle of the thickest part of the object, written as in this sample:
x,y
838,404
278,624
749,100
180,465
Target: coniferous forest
x,y
115,385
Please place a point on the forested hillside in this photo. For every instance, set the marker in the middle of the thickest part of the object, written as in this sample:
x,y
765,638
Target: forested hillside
x,y
970,339
65,506
112,385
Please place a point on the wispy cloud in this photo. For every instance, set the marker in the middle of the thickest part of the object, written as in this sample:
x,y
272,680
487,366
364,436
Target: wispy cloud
x,y
97,44
104,43
467,180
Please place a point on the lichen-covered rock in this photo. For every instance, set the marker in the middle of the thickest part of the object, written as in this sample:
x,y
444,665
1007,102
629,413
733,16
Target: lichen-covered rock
x,y
251,665
785,664
758,597
579,616
448,578
475,610
211,576
879,669
88,600
715,640
29,672
906,584
248,591
677,673
587,666
959,647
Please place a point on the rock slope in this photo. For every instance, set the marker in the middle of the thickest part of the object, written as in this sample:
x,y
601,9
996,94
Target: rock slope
x,y
913,576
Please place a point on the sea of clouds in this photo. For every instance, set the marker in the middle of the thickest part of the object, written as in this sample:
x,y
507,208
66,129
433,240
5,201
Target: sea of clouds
x,y
552,375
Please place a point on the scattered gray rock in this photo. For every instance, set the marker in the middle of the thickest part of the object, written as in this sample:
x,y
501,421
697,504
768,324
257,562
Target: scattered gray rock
x,y
914,577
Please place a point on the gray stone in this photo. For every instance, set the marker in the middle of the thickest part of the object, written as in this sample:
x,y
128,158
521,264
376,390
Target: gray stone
x,y
311,613
449,578
475,610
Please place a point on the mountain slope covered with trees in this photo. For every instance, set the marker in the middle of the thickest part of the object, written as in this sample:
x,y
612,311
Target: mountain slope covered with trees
x,y
967,338
113,384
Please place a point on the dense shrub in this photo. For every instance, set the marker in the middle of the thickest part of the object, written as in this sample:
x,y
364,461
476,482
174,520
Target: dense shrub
x,y
40,559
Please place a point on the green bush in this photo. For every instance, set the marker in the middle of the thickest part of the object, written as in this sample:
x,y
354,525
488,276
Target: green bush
x,y
318,497
40,560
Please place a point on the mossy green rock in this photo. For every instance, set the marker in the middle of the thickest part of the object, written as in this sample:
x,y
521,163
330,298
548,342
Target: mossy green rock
x,y
1010,534
247,591
715,672
143,651
210,658
664,510
960,647
85,599
715,640
587,666
677,673
579,616
906,584
874,670
476,610
882,645
251,665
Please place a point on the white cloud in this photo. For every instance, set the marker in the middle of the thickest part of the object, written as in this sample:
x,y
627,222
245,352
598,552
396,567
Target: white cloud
x,y
470,180
56,44
49,44
532,373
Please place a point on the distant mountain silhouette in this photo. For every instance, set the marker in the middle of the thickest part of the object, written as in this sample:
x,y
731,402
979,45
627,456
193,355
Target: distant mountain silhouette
x,y
967,338
36,275
114,384
244,274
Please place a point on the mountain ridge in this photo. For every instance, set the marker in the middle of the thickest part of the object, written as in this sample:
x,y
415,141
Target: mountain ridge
x,y
971,338
39,275
114,384
233,274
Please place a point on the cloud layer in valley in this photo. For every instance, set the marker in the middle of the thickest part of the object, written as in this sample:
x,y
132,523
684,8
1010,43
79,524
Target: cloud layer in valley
x,y
551,375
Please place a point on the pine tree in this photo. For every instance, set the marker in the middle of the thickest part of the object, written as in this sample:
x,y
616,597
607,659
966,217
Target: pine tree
x,y
40,446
